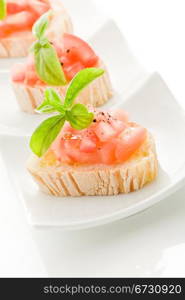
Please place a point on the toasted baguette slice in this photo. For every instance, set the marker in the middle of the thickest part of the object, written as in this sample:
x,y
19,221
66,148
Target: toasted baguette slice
x,y
18,44
95,180
95,94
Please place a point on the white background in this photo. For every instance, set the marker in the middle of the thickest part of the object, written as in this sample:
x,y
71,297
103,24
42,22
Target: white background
x,y
149,244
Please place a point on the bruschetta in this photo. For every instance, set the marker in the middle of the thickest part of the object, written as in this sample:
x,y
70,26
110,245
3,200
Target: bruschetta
x,y
74,54
104,168
95,153
16,28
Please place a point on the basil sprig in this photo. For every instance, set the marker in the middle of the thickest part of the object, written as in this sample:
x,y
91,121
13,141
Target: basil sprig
x,y
3,9
47,63
41,140
76,114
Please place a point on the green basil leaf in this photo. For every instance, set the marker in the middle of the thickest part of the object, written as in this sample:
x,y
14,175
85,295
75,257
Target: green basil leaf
x,y
79,82
40,26
54,99
3,11
47,64
35,47
45,108
52,102
79,117
45,134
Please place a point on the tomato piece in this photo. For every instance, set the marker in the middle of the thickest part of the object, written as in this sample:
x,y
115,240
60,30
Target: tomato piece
x,y
31,78
72,70
129,143
73,54
17,22
36,6
39,7
79,50
26,73
87,145
92,61
107,152
65,62
84,158
59,150
118,125
104,131
72,144
14,7
58,48
18,72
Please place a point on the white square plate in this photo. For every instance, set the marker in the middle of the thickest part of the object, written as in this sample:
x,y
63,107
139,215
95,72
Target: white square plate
x,y
152,105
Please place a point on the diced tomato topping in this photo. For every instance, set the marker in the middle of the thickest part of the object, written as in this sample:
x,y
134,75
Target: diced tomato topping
x,y
102,143
21,15
130,142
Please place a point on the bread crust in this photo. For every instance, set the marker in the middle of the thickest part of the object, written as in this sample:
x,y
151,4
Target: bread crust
x,y
95,94
96,180
18,45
